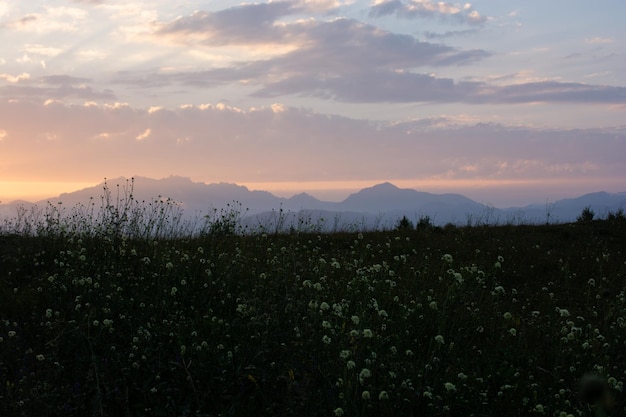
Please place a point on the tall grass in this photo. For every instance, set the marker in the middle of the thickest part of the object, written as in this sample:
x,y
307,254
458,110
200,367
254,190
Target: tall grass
x,y
128,313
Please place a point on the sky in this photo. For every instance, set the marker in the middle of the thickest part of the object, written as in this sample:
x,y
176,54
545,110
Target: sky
x,y
506,102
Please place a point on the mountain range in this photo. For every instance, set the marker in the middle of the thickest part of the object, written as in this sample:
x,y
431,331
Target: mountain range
x,y
379,206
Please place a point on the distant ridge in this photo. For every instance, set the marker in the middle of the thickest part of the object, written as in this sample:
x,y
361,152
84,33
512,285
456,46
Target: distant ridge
x,y
381,204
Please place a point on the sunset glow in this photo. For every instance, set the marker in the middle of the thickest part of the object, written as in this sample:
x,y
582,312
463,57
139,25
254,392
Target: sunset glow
x,y
505,103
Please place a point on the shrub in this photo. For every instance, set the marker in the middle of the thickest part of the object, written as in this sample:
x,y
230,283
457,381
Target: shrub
x,y
586,215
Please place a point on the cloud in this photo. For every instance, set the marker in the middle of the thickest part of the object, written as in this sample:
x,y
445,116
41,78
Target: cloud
x,y
56,19
38,49
280,143
144,135
245,24
599,40
89,1
413,9
53,87
449,34
15,78
329,58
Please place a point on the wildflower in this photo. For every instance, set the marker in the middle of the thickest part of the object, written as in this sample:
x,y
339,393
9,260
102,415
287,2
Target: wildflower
x,y
383,395
439,339
450,387
355,320
40,358
338,412
337,309
365,395
365,373
326,324
344,354
507,315
367,333
96,323
49,313
539,408
433,305
326,340
513,331
324,306
408,352
350,364
447,258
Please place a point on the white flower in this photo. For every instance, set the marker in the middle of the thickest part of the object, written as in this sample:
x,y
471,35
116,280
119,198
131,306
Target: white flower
x,y
450,386
355,320
338,412
326,340
507,315
350,365
365,373
324,306
383,395
365,395
447,258
345,354
41,358
433,305
367,333
326,324
439,339
513,331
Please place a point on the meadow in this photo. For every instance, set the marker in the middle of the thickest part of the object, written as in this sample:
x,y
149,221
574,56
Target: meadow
x,y
98,320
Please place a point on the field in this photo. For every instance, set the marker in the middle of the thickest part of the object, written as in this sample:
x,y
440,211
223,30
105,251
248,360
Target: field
x,y
454,321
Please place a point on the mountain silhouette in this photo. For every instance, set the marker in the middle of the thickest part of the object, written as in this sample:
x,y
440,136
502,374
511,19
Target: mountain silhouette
x,y
378,206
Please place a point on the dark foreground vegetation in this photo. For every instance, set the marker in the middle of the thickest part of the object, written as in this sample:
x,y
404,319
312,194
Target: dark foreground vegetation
x,y
455,321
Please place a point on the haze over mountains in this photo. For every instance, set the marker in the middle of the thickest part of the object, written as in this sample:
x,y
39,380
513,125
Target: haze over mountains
x,y
379,206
